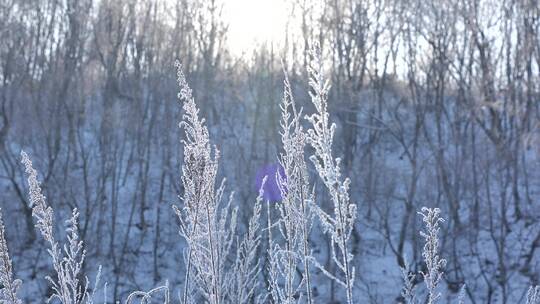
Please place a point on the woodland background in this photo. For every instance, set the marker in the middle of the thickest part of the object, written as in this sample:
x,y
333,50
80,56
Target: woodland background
x,y
437,104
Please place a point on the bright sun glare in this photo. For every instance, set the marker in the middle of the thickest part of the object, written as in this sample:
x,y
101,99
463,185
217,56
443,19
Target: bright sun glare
x,y
254,22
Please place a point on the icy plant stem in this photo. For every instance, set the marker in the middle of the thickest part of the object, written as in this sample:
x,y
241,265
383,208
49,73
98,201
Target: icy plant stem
x,y
430,252
247,267
533,295
320,136
186,284
190,256
305,251
290,270
208,237
8,292
212,259
346,262
408,291
293,188
344,250
67,263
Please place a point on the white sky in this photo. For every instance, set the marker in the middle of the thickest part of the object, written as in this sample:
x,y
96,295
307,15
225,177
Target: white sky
x,y
253,22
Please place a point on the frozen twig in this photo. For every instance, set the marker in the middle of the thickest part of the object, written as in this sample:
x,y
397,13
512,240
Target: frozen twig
x,y
340,224
145,297
67,287
247,266
408,291
533,295
461,295
294,186
206,225
430,253
10,287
